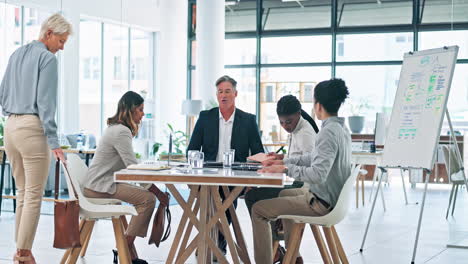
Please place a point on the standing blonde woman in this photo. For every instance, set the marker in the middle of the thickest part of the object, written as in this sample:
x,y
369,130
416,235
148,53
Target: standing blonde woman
x,y
28,97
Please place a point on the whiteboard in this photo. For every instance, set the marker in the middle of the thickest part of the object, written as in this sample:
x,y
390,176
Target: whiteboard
x,y
419,108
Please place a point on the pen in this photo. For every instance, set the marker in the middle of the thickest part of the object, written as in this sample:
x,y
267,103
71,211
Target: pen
x,y
280,149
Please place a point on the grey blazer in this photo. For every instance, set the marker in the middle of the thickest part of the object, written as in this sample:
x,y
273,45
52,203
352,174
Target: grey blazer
x,y
114,152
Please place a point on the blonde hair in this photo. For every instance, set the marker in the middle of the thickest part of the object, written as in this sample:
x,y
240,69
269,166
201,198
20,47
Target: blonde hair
x,y
58,24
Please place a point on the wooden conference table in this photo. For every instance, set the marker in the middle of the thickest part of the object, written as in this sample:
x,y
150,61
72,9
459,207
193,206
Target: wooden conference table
x,y
204,208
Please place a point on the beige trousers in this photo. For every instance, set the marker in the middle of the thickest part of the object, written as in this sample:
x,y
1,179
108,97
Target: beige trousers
x,y
143,200
290,202
27,149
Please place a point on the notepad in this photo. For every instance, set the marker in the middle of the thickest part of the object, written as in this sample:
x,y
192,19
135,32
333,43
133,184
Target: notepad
x,y
260,157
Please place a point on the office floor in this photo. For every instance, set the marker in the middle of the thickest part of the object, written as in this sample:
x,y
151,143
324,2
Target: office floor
x,y
390,239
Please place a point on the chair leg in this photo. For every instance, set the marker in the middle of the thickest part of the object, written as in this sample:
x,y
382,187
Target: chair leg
x,y
67,253
122,246
13,189
2,179
362,188
294,243
321,244
84,247
450,201
84,232
275,247
339,246
455,198
331,245
357,192
123,218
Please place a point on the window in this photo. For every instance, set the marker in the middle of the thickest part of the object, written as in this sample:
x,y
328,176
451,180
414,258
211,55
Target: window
x,y
239,51
439,39
437,11
10,32
90,77
373,47
372,12
33,19
106,72
240,16
277,82
115,67
458,100
279,14
141,62
372,87
296,49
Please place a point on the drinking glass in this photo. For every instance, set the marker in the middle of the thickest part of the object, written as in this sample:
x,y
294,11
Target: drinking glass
x,y
191,156
198,160
228,158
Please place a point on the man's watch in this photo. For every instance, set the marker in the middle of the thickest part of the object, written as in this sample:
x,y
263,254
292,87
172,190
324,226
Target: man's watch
x,y
285,171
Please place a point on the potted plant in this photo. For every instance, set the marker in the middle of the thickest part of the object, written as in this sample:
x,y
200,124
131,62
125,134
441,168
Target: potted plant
x,y
179,143
356,119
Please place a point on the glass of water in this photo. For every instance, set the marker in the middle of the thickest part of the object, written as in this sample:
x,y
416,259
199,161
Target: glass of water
x,y
191,156
198,160
228,158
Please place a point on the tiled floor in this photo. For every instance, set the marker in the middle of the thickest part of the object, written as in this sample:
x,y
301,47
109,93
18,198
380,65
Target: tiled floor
x,y
390,239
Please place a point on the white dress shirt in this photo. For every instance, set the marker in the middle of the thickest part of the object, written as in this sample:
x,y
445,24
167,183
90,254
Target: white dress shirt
x,y
302,139
225,134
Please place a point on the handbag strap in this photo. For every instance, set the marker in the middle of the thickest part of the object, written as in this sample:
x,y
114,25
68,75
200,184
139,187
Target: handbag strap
x,y
57,181
57,178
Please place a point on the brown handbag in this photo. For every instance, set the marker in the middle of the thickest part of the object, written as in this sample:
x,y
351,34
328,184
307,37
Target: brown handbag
x,y
158,234
66,218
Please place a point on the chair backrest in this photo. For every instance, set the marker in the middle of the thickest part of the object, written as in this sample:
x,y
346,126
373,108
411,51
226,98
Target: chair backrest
x,y
76,169
451,160
341,208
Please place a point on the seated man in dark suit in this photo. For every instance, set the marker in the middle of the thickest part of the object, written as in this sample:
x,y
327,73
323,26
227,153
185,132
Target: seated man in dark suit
x,y
226,127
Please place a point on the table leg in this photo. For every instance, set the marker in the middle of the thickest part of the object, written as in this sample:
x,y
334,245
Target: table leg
x,y
225,226
180,229
2,179
243,253
202,248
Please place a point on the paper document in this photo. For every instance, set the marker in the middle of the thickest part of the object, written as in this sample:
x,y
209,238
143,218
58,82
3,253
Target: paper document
x,y
148,166
260,157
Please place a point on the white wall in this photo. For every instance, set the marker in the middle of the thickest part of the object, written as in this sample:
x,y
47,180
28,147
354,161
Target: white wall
x,y
171,78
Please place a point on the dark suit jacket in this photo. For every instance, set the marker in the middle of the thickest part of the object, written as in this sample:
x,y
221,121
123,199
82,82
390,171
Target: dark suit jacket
x,y
245,135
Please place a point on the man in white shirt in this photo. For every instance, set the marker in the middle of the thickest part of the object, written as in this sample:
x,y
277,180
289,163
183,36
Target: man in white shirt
x,y
226,127
223,128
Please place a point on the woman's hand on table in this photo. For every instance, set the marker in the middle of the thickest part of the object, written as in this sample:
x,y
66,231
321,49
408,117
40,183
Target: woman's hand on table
x,y
267,163
273,169
276,156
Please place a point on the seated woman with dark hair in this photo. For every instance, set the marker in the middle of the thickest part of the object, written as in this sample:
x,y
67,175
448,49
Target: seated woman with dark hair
x,y
325,170
115,152
302,131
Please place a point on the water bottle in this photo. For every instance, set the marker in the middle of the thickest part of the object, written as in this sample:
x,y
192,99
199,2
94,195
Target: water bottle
x,y
79,142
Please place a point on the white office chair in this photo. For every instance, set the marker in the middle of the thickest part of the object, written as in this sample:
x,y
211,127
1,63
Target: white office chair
x,y
92,210
327,222
454,171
